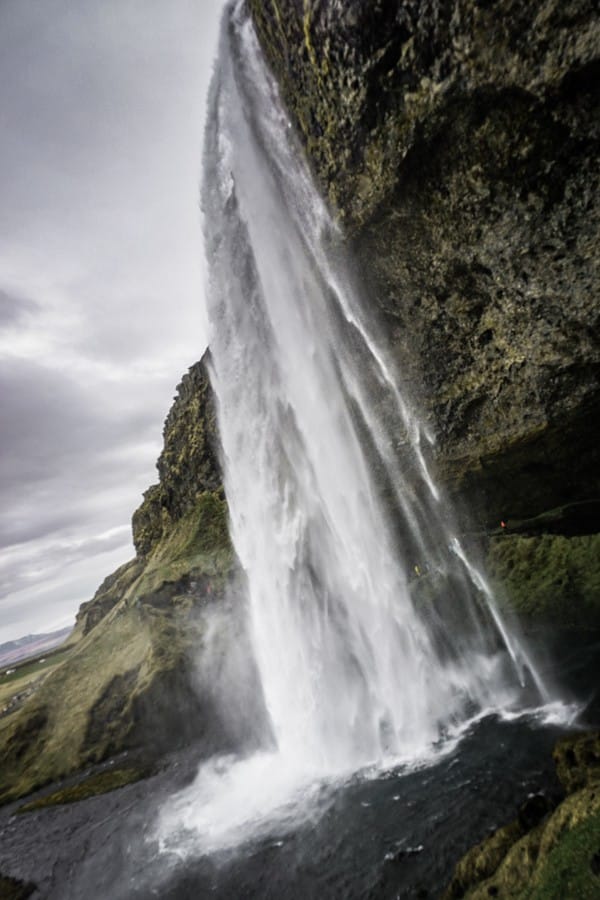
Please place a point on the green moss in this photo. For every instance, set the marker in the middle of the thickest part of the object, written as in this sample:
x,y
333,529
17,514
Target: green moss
x,y
482,861
209,532
131,671
557,858
550,577
198,543
101,783
570,870
108,595
545,852
147,522
577,760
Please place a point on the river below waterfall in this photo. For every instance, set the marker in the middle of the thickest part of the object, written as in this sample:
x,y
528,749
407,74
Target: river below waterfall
x,y
397,834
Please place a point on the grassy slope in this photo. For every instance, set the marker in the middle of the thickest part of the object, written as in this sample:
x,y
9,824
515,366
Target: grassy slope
x,y
88,707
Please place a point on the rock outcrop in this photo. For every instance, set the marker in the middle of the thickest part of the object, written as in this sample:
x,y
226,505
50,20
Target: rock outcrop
x,y
130,679
458,145
547,851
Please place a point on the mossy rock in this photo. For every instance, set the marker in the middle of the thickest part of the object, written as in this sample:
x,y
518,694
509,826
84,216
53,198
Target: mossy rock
x,y
577,761
106,597
127,678
555,860
188,464
457,144
548,578
572,868
93,786
545,852
128,682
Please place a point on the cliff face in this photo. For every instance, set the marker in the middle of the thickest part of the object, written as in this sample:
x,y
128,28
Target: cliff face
x,y
135,675
458,145
188,464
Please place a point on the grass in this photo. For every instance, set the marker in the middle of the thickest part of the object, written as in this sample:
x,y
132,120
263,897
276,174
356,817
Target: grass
x,y
572,868
32,666
101,783
28,673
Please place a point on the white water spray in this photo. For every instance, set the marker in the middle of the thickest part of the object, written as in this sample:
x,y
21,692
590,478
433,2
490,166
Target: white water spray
x,y
331,502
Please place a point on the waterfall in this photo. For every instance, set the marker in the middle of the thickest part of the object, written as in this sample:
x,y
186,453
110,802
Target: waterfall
x,y
333,509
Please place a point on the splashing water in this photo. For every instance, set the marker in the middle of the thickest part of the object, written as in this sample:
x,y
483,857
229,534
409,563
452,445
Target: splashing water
x,y
331,501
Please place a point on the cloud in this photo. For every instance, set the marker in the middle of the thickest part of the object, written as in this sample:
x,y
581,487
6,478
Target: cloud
x,y
52,425
21,568
47,604
14,309
101,275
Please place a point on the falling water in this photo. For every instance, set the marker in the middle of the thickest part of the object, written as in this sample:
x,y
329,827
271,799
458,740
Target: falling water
x,y
331,502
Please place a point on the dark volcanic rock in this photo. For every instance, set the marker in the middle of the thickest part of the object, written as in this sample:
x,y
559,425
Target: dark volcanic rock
x,y
188,464
458,144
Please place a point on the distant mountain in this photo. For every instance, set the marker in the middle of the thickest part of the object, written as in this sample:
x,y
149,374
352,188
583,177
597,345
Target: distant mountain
x,y
31,645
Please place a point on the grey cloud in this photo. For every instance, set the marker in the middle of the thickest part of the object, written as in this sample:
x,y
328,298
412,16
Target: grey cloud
x,y
101,109
14,577
52,602
70,457
47,422
13,308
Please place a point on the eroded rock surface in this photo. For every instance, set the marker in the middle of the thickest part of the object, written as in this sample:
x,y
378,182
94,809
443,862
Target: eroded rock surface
x,y
458,144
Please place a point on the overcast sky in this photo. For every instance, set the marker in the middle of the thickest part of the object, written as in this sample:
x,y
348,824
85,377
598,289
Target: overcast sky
x,y
101,278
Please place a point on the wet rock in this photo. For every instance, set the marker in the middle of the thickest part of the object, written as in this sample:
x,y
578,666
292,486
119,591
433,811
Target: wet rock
x,y
548,577
548,847
457,144
533,811
110,779
577,761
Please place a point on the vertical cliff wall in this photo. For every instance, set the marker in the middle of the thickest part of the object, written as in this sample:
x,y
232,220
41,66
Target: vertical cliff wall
x,y
457,142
